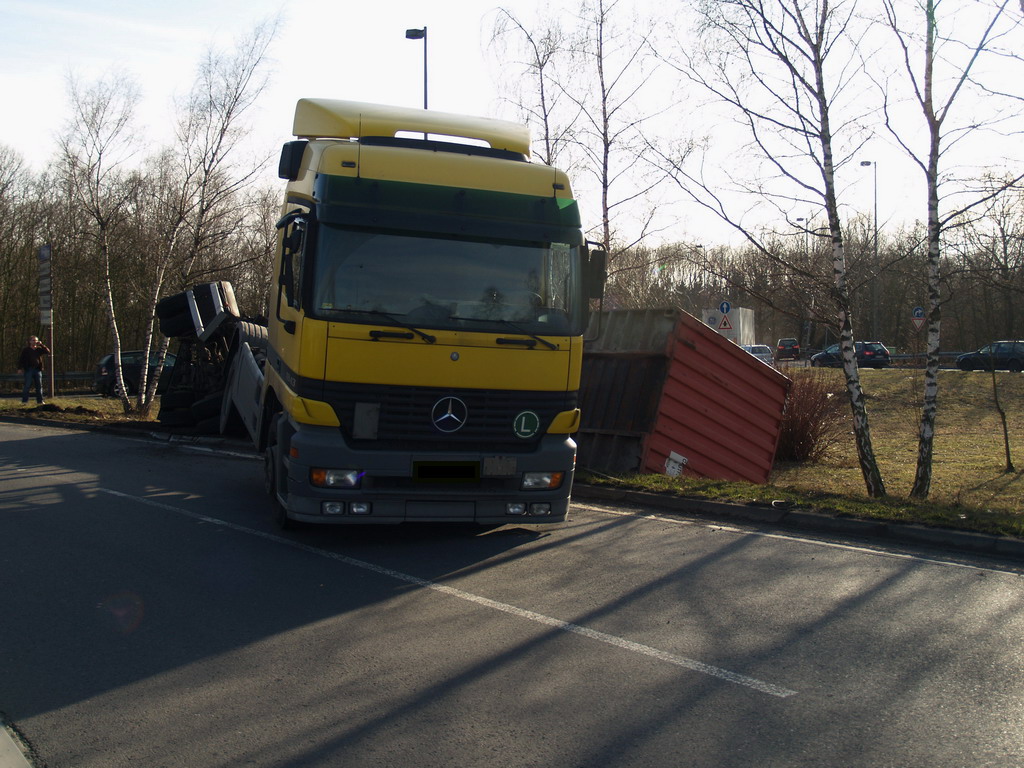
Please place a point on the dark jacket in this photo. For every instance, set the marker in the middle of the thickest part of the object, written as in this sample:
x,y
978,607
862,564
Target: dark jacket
x,y
32,357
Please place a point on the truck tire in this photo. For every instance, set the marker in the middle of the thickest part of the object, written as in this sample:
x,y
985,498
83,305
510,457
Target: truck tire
x,y
177,325
169,306
179,417
179,398
208,407
209,426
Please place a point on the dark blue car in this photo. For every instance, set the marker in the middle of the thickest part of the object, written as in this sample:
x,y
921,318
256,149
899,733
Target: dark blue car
x,y
870,354
105,378
999,355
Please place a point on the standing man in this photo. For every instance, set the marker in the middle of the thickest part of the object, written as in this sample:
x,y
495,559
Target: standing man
x,y
31,363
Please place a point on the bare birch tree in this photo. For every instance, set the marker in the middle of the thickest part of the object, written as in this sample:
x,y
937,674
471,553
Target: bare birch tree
x,y
532,82
198,184
787,70
613,54
941,70
95,146
587,83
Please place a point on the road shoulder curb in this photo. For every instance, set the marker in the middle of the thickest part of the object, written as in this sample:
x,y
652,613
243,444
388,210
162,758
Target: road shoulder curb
x,y
803,519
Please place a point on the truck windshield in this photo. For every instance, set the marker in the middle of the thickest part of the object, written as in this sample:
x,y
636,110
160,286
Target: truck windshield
x,y
446,283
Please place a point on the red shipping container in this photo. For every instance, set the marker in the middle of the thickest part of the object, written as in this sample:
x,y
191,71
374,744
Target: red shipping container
x,y
663,393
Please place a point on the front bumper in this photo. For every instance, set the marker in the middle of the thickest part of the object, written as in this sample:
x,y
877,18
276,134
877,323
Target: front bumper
x,y
405,486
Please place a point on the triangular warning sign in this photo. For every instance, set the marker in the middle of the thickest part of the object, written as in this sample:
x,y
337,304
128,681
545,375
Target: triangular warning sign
x,y
725,325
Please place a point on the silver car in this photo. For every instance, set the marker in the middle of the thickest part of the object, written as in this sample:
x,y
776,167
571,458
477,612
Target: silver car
x,y
761,351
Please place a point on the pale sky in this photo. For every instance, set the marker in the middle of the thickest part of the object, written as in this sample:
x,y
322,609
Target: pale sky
x,y
337,49
334,49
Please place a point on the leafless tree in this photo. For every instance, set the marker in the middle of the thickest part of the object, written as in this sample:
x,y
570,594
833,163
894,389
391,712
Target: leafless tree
x,y
942,68
16,273
642,278
255,242
536,96
96,143
197,186
787,70
613,53
588,81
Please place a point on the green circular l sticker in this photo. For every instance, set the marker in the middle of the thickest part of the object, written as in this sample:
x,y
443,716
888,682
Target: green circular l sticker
x,y
526,424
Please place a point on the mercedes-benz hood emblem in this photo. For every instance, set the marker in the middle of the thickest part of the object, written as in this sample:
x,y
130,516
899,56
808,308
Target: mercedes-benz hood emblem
x,y
449,414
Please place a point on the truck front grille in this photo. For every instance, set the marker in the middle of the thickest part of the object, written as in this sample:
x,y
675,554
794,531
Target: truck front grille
x,y
402,417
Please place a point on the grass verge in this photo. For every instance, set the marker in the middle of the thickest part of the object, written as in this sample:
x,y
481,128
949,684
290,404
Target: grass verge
x,y
84,411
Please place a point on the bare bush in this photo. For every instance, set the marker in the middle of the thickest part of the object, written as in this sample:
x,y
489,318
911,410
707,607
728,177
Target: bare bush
x,y
816,417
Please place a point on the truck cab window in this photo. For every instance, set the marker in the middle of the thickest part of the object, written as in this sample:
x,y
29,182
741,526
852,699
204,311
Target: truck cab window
x,y
444,282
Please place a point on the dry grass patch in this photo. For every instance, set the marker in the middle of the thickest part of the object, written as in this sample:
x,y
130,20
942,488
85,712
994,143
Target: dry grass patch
x,y
969,460
81,410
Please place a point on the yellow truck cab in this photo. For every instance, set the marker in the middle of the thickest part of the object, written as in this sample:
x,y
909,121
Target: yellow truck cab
x,y
423,351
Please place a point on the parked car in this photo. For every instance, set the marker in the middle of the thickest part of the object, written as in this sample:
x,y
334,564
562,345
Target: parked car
x,y
105,379
870,354
761,351
1001,355
787,349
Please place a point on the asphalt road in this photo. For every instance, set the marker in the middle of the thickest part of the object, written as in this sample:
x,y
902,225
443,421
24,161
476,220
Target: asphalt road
x,y
150,615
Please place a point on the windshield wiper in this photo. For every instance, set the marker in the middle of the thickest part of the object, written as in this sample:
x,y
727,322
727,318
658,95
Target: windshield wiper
x,y
514,327
395,321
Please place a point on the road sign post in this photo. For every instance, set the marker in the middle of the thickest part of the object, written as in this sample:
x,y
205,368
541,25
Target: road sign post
x,y
918,318
46,303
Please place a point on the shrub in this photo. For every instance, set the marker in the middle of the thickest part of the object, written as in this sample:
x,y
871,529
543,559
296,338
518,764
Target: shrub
x,y
816,417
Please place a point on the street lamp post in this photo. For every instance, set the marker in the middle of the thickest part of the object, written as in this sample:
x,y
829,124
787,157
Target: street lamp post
x,y
874,278
421,34
808,329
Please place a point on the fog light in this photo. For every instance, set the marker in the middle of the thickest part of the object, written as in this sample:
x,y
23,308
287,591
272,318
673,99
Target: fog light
x,y
334,478
542,508
515,508
360,508
333,507
535,481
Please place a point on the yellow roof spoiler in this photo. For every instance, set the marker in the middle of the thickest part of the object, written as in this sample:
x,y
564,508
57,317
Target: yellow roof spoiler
x,y
336,119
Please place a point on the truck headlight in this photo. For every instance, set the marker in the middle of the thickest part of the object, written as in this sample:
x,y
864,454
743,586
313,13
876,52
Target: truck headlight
x,y
542,481
335,478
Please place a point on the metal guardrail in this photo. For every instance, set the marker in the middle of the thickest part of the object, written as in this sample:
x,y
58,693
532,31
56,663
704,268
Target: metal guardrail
x,y
68,382
70,376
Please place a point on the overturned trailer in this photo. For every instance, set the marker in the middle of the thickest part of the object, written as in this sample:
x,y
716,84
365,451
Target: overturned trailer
x,y
661,392
209,331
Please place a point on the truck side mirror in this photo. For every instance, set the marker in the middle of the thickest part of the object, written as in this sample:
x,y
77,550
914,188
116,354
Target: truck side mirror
x,y
290,164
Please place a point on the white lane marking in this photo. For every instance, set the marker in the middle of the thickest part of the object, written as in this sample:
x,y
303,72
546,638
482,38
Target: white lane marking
x,y
637,513
539,618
